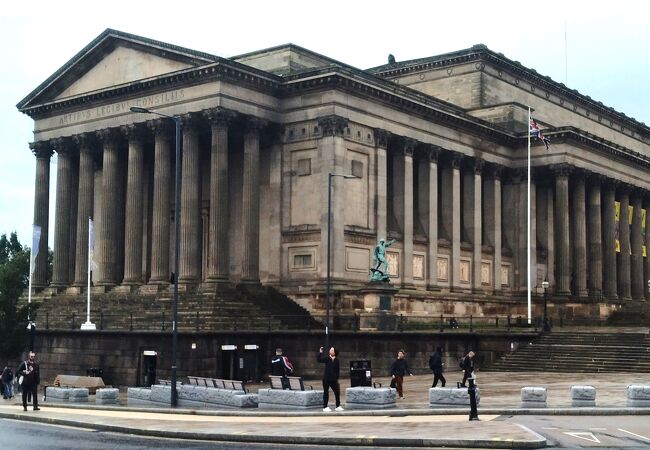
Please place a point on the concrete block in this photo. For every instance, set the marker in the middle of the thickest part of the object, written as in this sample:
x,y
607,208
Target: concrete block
x,y
638,395
285,399
370,398
204,397
451,397
583,396
138,393
533,397
161,394
107,396
57,394
78,395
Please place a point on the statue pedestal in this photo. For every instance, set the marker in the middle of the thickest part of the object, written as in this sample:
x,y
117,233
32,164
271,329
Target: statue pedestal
x,y
377,307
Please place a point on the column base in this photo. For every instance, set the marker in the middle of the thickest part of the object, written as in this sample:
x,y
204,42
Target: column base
x,y
53,290
101,289
562,293
75,290
255,282
154,287
214,285
125,288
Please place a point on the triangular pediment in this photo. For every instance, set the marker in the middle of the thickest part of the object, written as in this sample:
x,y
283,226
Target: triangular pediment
x,y
286,59
112,59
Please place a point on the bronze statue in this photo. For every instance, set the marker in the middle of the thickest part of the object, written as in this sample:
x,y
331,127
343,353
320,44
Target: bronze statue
x,y
380,258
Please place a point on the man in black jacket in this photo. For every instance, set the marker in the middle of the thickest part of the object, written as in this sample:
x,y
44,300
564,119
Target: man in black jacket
x,y
330,378
467,364
398,370
435,364
31,373
281,366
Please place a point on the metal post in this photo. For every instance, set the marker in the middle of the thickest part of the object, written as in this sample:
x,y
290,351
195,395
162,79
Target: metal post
x,y
471,390
329,244
545,324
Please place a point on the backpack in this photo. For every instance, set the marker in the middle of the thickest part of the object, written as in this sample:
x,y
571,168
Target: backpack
x,y
431,362
461,363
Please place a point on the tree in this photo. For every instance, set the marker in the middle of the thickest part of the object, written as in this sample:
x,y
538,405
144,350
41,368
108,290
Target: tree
x,y
14,278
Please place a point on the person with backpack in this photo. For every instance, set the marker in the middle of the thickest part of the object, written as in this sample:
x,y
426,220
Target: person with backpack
x,y
467,364
281,366
7,380
435,364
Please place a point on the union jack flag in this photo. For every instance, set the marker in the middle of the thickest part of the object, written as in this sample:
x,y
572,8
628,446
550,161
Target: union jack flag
x,y
536,132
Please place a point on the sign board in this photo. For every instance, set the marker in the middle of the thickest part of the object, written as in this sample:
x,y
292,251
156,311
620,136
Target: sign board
x,y
229,347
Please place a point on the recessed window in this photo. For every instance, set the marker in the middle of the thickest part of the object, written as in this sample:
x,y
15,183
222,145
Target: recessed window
x,y
357,169
302,261
303,167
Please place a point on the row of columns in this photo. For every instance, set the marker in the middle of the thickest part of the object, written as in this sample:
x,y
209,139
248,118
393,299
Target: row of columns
x,y
119,242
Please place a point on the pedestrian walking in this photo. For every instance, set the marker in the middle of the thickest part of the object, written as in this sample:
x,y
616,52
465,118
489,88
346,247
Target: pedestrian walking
x,y
435,364
467,364
7,381
30,372
398,370
330,377
281,366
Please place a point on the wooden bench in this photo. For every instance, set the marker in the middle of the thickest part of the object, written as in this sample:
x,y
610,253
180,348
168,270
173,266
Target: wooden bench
x,y
219,383
294,383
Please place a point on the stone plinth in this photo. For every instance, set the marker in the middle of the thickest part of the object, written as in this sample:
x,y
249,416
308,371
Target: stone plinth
x,y
583,396
533,397
78,395
205,397
138,396
638,395
451,397
107,396
370,398
57,394
285,399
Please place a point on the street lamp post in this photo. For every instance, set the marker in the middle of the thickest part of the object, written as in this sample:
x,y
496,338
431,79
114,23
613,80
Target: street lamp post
x,y
177,232
329,246
546,326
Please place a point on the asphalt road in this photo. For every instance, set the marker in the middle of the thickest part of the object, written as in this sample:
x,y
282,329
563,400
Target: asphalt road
x,y
615,432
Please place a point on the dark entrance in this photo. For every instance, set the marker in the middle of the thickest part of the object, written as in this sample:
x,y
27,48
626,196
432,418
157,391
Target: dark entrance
x,y
148,365
229,362
250,366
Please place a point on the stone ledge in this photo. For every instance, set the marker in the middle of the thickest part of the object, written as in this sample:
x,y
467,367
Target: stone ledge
x,y
451,397
370,398
285,399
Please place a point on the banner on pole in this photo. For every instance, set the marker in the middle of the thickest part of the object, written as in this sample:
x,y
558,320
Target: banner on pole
x,y
91,245
36,241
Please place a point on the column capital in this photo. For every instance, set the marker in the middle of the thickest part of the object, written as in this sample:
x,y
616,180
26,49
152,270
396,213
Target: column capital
x,y
456,159
432,152
273,133
41,149
478,165
561,170
496,170
189,121
161,127
625,188
408,146
85,141
134,132
332,125
596,179
516,174
381,138
253,123
62,145
219,116
636,192
110,136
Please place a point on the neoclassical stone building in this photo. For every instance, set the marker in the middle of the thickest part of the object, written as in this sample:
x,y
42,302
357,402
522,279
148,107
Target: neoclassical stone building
x,y
437,146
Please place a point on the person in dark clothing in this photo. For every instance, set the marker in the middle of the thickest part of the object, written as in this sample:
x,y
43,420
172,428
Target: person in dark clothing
x,y
7,380
31,373
467,364
281,366
330,378
398,369
435,364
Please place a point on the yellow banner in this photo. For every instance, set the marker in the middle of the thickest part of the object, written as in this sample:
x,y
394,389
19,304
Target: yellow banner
x,y
643,228
617,208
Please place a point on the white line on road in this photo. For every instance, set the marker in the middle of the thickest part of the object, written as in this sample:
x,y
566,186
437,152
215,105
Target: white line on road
x,y
583,435
634,434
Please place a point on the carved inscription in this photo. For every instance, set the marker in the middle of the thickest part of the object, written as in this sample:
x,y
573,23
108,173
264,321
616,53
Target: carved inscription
x,y
122,107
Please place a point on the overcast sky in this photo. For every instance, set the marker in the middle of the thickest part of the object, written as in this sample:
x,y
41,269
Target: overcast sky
x,y
607,50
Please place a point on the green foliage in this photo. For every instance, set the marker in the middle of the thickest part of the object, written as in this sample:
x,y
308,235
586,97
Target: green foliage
x,y
14,278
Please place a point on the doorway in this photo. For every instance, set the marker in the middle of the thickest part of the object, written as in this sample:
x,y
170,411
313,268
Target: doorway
x,y
148,367
229,362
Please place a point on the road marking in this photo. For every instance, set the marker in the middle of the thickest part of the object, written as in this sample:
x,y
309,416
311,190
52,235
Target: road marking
x,y
597,429
583,435
550,428
634,434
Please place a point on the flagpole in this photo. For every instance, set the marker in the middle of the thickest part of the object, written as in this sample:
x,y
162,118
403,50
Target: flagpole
x,y
528,228
88,325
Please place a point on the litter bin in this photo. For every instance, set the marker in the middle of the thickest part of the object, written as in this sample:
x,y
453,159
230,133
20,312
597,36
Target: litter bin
x,y
360,373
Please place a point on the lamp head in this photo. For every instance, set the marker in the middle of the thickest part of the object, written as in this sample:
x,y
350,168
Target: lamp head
x,y
138,109
545,284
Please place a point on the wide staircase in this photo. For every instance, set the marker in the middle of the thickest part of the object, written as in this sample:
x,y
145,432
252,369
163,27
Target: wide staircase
x,y
230,308
580,351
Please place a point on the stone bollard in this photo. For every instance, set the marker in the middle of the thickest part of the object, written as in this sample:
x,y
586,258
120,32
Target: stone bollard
x,y
638,395
583,396
533,397
107,396
370,398
451,397
57,394
78,395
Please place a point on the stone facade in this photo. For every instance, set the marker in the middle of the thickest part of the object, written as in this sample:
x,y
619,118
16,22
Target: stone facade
x,y
437,147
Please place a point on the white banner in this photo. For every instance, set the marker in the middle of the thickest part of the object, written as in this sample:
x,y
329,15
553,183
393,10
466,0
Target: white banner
x,y
36,240
91,245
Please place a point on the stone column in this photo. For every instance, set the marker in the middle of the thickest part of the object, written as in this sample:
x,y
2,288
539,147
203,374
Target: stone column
x,y
624,275
273,247
111,201
86,144
62,222
43,152
190,214
251,201
646,260
580,235
434,154
456,162
381,142
561,229
636,241
162,181
477,230
134,186
407,254
609,241
218,256
595,244
496,237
